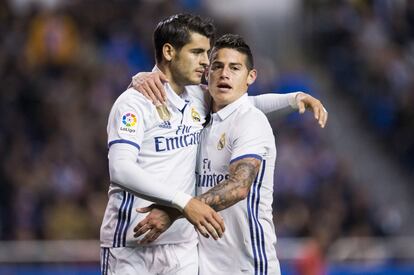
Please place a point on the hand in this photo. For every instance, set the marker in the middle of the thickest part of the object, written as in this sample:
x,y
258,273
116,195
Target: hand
x,y
204,218
305,101
155,223
151,86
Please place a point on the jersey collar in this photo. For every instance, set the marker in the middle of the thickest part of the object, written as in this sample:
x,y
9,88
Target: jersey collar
x,y
229,109
172,97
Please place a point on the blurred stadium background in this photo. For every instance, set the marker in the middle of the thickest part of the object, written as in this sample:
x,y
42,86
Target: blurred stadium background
x,y
343,195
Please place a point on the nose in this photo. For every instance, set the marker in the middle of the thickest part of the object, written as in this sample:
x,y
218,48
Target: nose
x,y
224,72
204,60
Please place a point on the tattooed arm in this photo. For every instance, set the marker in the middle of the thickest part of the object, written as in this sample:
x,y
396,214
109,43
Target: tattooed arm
x,y
236,188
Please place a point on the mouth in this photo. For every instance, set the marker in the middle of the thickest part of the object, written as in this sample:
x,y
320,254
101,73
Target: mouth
x,y
224,87
200,71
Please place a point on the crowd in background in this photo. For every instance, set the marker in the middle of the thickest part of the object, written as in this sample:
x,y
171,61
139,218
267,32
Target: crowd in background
x,y
61,71
368,49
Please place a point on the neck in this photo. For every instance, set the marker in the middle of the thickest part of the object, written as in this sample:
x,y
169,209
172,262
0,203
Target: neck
x,y
177,88
217,107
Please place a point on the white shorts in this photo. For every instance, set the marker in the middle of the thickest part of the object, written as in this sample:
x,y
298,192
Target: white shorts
x,y
171,259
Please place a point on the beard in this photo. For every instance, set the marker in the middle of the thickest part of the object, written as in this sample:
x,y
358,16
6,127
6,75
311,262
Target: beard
x,y
183,77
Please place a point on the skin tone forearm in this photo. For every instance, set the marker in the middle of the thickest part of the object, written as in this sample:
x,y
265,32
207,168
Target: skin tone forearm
x,y
236,188
223,195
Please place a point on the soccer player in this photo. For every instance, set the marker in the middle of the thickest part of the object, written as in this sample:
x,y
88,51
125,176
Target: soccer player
x,y
152,157
235,168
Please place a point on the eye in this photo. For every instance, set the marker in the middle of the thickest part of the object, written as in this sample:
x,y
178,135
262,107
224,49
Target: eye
x,y
215,66
197,51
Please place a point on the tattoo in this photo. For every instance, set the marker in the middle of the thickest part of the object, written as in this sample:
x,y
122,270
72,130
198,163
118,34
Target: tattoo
x,y
234,189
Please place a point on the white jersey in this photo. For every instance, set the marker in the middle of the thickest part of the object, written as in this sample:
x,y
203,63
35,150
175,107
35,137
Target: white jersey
x,y
167,150
238,131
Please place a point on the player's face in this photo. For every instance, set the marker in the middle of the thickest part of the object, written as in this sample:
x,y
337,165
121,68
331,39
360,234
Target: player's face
x,y
228,77
190,62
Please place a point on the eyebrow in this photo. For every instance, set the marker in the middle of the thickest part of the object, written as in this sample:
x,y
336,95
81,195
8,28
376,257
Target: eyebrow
x,y
231,64
198,49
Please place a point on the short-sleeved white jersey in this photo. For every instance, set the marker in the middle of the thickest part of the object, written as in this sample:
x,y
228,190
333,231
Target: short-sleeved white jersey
x,y
248,245
167,150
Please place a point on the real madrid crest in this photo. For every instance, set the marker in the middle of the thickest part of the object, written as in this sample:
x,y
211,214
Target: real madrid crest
x,y
222,142
195,115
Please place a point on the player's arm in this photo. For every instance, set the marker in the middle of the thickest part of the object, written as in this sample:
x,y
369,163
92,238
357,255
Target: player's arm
x,y
269,103
150,85
160,218
126,172
236,188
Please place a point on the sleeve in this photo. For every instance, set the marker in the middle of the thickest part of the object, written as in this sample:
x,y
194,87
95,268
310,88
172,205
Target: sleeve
x,y
251,138
126,131
268,103
126,125
125,172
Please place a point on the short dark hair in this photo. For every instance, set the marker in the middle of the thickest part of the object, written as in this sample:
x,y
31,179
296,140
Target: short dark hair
x,y
235,41
177,29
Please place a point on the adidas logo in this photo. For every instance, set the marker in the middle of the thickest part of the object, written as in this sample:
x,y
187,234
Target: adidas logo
x,y
165,124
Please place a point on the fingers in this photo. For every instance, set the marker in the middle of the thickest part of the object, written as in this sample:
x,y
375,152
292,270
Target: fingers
x,y
151,86
319,112
321,115
323,118
156,90
141,229
148,92
150,237
211,230
163,77
220,220
144,209
215,226
203,231
301,107
160,88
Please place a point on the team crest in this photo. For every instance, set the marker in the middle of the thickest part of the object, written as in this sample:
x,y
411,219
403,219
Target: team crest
x,y
195,115
222,142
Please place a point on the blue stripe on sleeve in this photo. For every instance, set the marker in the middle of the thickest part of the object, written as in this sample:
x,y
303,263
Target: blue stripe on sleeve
x,y
124,141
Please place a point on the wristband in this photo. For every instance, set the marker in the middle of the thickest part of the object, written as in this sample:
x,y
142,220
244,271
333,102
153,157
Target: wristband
x,y
180,200
292,100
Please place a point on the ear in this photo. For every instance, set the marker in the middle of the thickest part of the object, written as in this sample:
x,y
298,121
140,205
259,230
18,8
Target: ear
x,y
168,51
251,77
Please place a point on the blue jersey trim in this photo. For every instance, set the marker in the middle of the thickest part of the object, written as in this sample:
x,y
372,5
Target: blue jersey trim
x,y
124,141
257,216
256,229
124,234
104,260
124,218
120,215
182,112
247,156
